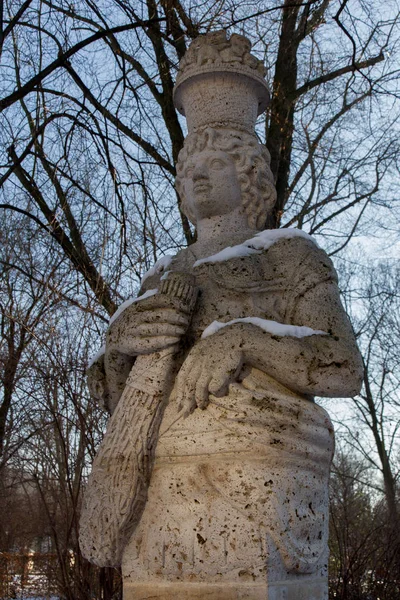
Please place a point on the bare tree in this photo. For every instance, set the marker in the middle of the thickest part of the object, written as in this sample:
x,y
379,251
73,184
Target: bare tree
x,y
89,143
364,547
49,426
91,135
62,428
22,307
377,407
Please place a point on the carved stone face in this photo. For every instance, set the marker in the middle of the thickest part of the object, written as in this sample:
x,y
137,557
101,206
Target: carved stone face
x,y
211,185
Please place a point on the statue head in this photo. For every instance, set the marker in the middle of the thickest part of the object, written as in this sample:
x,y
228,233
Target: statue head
x,y
222,169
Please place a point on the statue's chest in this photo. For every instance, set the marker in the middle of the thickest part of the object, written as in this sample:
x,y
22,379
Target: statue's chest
x,y
248,286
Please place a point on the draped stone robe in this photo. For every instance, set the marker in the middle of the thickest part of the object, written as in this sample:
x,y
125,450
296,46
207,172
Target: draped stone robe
x,y
240,489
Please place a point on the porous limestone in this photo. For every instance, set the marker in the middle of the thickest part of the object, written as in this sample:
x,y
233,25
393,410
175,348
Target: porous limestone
x,y
212,479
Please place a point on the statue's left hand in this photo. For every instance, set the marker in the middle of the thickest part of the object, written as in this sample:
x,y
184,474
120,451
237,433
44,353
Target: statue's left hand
x,y
211,365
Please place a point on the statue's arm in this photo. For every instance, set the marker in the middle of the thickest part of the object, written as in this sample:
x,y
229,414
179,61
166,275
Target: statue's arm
x,y
146,326
323,365
99,386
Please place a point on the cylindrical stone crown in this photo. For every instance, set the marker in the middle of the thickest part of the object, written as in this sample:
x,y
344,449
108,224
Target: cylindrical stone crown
x,y
220,83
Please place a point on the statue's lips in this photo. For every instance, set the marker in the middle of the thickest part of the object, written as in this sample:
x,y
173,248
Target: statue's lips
x,y
201,187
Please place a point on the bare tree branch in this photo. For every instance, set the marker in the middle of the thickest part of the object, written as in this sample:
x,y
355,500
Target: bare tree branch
x,y
32,84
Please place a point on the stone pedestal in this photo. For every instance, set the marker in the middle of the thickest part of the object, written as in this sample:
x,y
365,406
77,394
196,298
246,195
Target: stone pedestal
x,y
299,589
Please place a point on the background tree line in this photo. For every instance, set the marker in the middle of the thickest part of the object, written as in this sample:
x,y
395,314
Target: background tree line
x,y
88,147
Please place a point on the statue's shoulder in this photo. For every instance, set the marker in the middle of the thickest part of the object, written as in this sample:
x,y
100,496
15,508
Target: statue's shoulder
x,y
290,258
290,239
295,251
182,261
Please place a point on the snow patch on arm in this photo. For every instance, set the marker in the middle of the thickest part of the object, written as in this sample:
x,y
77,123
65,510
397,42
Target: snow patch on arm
x,y
96,356
272,327
261,241
130,301
161,265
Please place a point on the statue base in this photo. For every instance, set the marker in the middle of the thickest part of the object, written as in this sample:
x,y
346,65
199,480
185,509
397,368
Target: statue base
x,y
311,589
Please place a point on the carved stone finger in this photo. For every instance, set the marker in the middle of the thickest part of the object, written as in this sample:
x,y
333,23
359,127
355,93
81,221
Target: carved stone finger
x,y
202,389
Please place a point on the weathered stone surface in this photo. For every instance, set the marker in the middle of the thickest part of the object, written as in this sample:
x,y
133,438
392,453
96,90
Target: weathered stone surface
x,y
212,480
220,83
309,589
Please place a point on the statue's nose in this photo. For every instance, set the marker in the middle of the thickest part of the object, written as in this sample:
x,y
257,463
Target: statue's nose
x,y
200,171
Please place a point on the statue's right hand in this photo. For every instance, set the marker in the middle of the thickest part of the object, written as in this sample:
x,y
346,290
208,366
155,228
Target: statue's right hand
x,y
147,326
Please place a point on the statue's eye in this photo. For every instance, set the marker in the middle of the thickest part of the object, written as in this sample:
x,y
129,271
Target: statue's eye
x,y
217,164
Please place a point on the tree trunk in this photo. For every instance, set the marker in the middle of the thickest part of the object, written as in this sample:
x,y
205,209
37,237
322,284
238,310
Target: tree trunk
x,y
388,477
280,126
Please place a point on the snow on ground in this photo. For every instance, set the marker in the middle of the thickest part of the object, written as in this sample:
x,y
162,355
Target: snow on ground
x,y
272,327
261,241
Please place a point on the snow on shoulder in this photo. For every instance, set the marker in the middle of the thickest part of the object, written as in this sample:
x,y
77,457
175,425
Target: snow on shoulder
x,y
96,356
261,241
279,329
159,267
130,301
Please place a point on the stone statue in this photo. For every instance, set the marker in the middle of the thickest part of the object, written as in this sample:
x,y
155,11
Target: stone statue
x,y
212,479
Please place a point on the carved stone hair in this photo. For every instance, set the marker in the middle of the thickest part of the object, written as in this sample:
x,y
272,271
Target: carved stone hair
x,y
252,166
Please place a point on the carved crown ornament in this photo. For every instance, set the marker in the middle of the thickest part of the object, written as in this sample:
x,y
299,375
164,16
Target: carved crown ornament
x,y
220,84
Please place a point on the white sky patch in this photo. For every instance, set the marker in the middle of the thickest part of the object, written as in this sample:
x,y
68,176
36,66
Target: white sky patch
x,y
261,241
96,356
280,329
130,301
381,248
161,265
